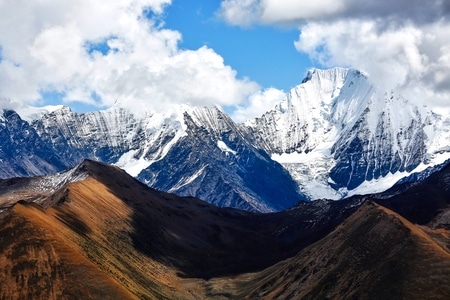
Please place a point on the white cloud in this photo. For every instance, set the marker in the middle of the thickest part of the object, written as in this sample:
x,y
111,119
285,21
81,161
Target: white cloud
x,y
247,12
408,58
401,44
258,104
241,12
47,46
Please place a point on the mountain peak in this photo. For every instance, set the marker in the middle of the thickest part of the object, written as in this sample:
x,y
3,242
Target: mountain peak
x,y
338,130
333,74
212,118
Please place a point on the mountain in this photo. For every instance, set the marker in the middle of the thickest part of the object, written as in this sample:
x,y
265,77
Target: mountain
x,y
335,135
338,135
215,161
133,239
95,232
197,152
22,150
374,254
424,202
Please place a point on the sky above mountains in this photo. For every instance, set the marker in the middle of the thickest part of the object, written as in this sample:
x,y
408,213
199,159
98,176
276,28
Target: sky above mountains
x,y
242,55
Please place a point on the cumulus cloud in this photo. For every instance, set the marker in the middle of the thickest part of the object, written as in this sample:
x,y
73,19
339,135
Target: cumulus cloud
x,y
403,58
257,104
103,52
401,44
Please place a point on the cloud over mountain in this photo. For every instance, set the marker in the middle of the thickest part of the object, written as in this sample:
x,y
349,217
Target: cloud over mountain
x,y
99,53
402,44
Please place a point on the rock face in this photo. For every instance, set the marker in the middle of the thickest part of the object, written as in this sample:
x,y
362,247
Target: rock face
x,y
104,135
22,151
215,161
335,135
197,152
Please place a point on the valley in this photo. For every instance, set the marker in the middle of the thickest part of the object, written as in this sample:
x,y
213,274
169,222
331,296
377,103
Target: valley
x,y
141,243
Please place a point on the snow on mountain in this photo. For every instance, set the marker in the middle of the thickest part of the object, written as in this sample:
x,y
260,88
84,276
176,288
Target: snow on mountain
x,y
215,161
114,135
333,136
159,133
22,150
338,135
222,146
39,189
197,152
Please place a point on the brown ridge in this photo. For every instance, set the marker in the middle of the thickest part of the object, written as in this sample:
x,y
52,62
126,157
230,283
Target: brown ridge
x,y
111,237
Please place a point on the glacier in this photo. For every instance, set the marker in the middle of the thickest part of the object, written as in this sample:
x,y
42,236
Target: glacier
x,y
338,135
334,135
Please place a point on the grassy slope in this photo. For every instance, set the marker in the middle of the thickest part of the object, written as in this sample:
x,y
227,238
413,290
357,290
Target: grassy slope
x,y
110,236
87,240
39,262
374,254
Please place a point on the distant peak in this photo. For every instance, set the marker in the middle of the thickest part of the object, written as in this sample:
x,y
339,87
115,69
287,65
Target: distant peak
x,y
32,113
336,73
207,114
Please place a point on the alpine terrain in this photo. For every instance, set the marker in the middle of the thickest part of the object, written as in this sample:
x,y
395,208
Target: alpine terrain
x,y
95,232
338,135
190,151
335,135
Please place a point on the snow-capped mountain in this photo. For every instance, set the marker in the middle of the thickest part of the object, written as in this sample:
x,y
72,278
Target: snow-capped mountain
x,y
197,152
113,136
338,135
335,134
22,150
214,160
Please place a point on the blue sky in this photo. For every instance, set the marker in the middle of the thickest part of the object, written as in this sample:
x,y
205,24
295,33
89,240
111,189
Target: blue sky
x,y
243,55
265,54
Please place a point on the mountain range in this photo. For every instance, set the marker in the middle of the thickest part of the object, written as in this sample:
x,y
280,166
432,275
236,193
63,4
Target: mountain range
x,y
335,135
95,232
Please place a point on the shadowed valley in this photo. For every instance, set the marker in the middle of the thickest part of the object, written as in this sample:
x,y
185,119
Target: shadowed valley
x,y
101,234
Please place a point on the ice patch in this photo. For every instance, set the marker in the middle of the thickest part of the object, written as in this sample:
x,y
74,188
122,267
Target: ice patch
x,y
131,165
185,181
222,146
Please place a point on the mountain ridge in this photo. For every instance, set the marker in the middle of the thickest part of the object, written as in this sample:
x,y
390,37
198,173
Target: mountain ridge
x,y
335,135
342,136
143,243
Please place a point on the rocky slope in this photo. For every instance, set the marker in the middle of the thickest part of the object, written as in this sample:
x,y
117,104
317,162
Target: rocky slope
x,y
215,161
190,151
22,151
335,134
139,243
338,135
374,254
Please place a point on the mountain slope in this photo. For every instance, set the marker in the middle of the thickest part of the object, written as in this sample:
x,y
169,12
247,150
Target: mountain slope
x,y
425,202
374,254
106,135
22,151
38,262
142,243
215,161
149,243
338,135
